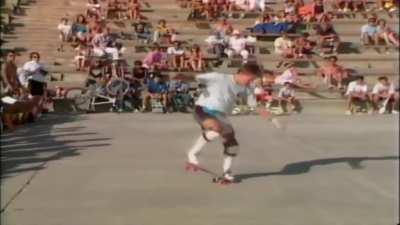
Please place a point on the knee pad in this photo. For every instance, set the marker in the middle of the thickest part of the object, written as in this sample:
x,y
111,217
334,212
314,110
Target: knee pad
x,y
231,147
210,135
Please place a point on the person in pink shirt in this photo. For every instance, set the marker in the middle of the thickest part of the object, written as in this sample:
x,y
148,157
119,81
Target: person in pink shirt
x,y
291,75
155,59
332,73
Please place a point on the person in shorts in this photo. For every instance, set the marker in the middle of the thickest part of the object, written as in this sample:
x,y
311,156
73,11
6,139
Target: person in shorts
x,y
220,91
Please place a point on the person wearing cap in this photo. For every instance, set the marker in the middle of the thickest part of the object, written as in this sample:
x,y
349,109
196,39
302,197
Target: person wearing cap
x,y
369,32
215,103
237,46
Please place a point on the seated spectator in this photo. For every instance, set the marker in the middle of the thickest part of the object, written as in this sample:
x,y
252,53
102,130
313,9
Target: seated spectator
x,y
81,57
196,59
65,32
251,42
179,95
284,46
357,92
286,96
158,90
333,74
93,7
161,31
369,32
134,7
217,43
303,46
154,60
80,29
384,92
312,11
390,6
224,27
176,54
139,72
386,34
197,11
350,5
246,6
143,33
134,95
237,46
291,75
327,36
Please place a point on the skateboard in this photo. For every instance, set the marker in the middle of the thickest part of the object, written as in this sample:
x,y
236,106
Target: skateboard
x,y
217,179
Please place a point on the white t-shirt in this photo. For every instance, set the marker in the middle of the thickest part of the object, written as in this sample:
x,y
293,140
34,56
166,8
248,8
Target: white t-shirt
x,y
220,93
33,71
287,76
175,51
354,87
280,44
379,88
212,39
237,44
64,28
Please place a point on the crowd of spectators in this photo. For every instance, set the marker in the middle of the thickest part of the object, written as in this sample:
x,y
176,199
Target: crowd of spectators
x,y
301,29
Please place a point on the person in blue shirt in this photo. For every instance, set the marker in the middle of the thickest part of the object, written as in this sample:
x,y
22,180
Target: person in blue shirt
x,y
157,89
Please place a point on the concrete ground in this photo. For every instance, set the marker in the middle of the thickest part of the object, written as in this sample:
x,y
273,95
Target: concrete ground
x,y
127,169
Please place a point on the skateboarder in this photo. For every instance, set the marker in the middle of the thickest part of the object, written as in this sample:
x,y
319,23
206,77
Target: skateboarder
x,y
212,108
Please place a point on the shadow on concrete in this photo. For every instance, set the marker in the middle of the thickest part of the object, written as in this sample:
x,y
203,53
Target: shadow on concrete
x,y
29,148
302,167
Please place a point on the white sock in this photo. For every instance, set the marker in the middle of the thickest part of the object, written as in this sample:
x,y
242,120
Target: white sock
x,y
227,165
199,144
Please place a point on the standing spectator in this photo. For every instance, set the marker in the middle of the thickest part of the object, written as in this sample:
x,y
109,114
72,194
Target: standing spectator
x,y
177,56
237,46
333,74
357,92
36,74
10,77
369,33
383,91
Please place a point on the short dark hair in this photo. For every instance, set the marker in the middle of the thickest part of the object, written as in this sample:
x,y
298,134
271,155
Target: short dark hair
x,y
359,77
333,57
34,53
383,78
251,68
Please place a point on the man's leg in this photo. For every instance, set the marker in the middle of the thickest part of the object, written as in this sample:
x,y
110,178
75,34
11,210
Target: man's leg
x,y
231,149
